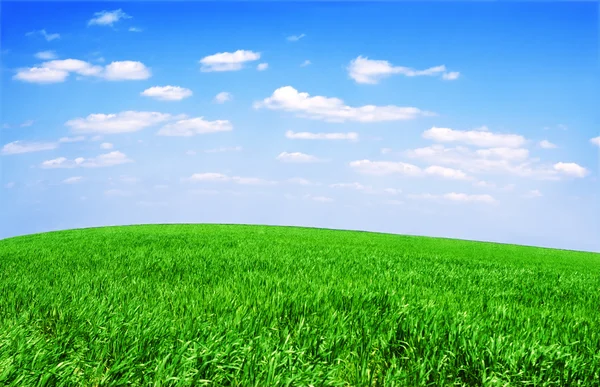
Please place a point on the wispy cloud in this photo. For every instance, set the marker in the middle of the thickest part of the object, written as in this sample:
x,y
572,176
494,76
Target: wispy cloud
x,y
167,93
219,177
108,18
369,71
228,61
351,136
295,38
18,147
223,97
297,157
48,36
104,160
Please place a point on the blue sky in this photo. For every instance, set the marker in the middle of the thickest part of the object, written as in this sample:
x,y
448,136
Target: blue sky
x,y
463,120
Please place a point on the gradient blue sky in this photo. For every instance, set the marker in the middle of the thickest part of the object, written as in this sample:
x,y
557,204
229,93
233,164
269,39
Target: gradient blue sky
x,y
500,144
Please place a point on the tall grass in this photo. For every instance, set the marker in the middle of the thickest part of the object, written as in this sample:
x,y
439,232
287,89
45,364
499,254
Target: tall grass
x,y
218,305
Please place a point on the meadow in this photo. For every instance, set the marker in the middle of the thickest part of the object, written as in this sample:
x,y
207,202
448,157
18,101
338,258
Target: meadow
x,y
234,305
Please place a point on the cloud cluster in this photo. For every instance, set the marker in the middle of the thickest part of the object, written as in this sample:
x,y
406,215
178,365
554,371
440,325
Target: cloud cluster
x,y
333,109
382,168
105,160
56,71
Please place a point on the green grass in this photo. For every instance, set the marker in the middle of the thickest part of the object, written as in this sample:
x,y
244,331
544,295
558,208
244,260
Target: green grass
x,y
224,305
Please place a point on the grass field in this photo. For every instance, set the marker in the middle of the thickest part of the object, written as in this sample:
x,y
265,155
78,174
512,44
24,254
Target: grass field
x,y
220,305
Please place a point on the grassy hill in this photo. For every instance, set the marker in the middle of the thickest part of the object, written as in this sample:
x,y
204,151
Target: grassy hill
x,y
220,305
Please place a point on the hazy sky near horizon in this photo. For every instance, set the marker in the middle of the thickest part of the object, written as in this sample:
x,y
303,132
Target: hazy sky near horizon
x,y
465,120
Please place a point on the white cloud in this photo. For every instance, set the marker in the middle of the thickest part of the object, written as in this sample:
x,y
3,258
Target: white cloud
x,y
368,71
478,137
126,70
456,197
108,18
295,38
511,161
27,124
18,147
595,141
123,122
262,66
297,157
219,177
41,75
167,93
446,173
106,145
46,55
71,139
333,109
385,151
228,61
223,97
451,76
547,144
72,180
571,169
380,168
135,29
192,126
533,194
224,149
305,63
56,71
49,37
352,136
104,160
354,186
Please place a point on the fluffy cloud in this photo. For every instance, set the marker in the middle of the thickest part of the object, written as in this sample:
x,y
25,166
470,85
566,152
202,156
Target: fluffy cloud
x,y
106,145
297,157
381,168
56,71
368,71
167,93
46,55
72,180
333,109
108,18
192,126
49,37
547,144
104,160
262,66
123,122
456,197
295,38
228,61
223,97
126,71
595,141
571,169
219,177
352,136
17,147
479,137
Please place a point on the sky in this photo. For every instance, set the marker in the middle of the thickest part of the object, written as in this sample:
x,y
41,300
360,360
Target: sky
x,y
471,120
